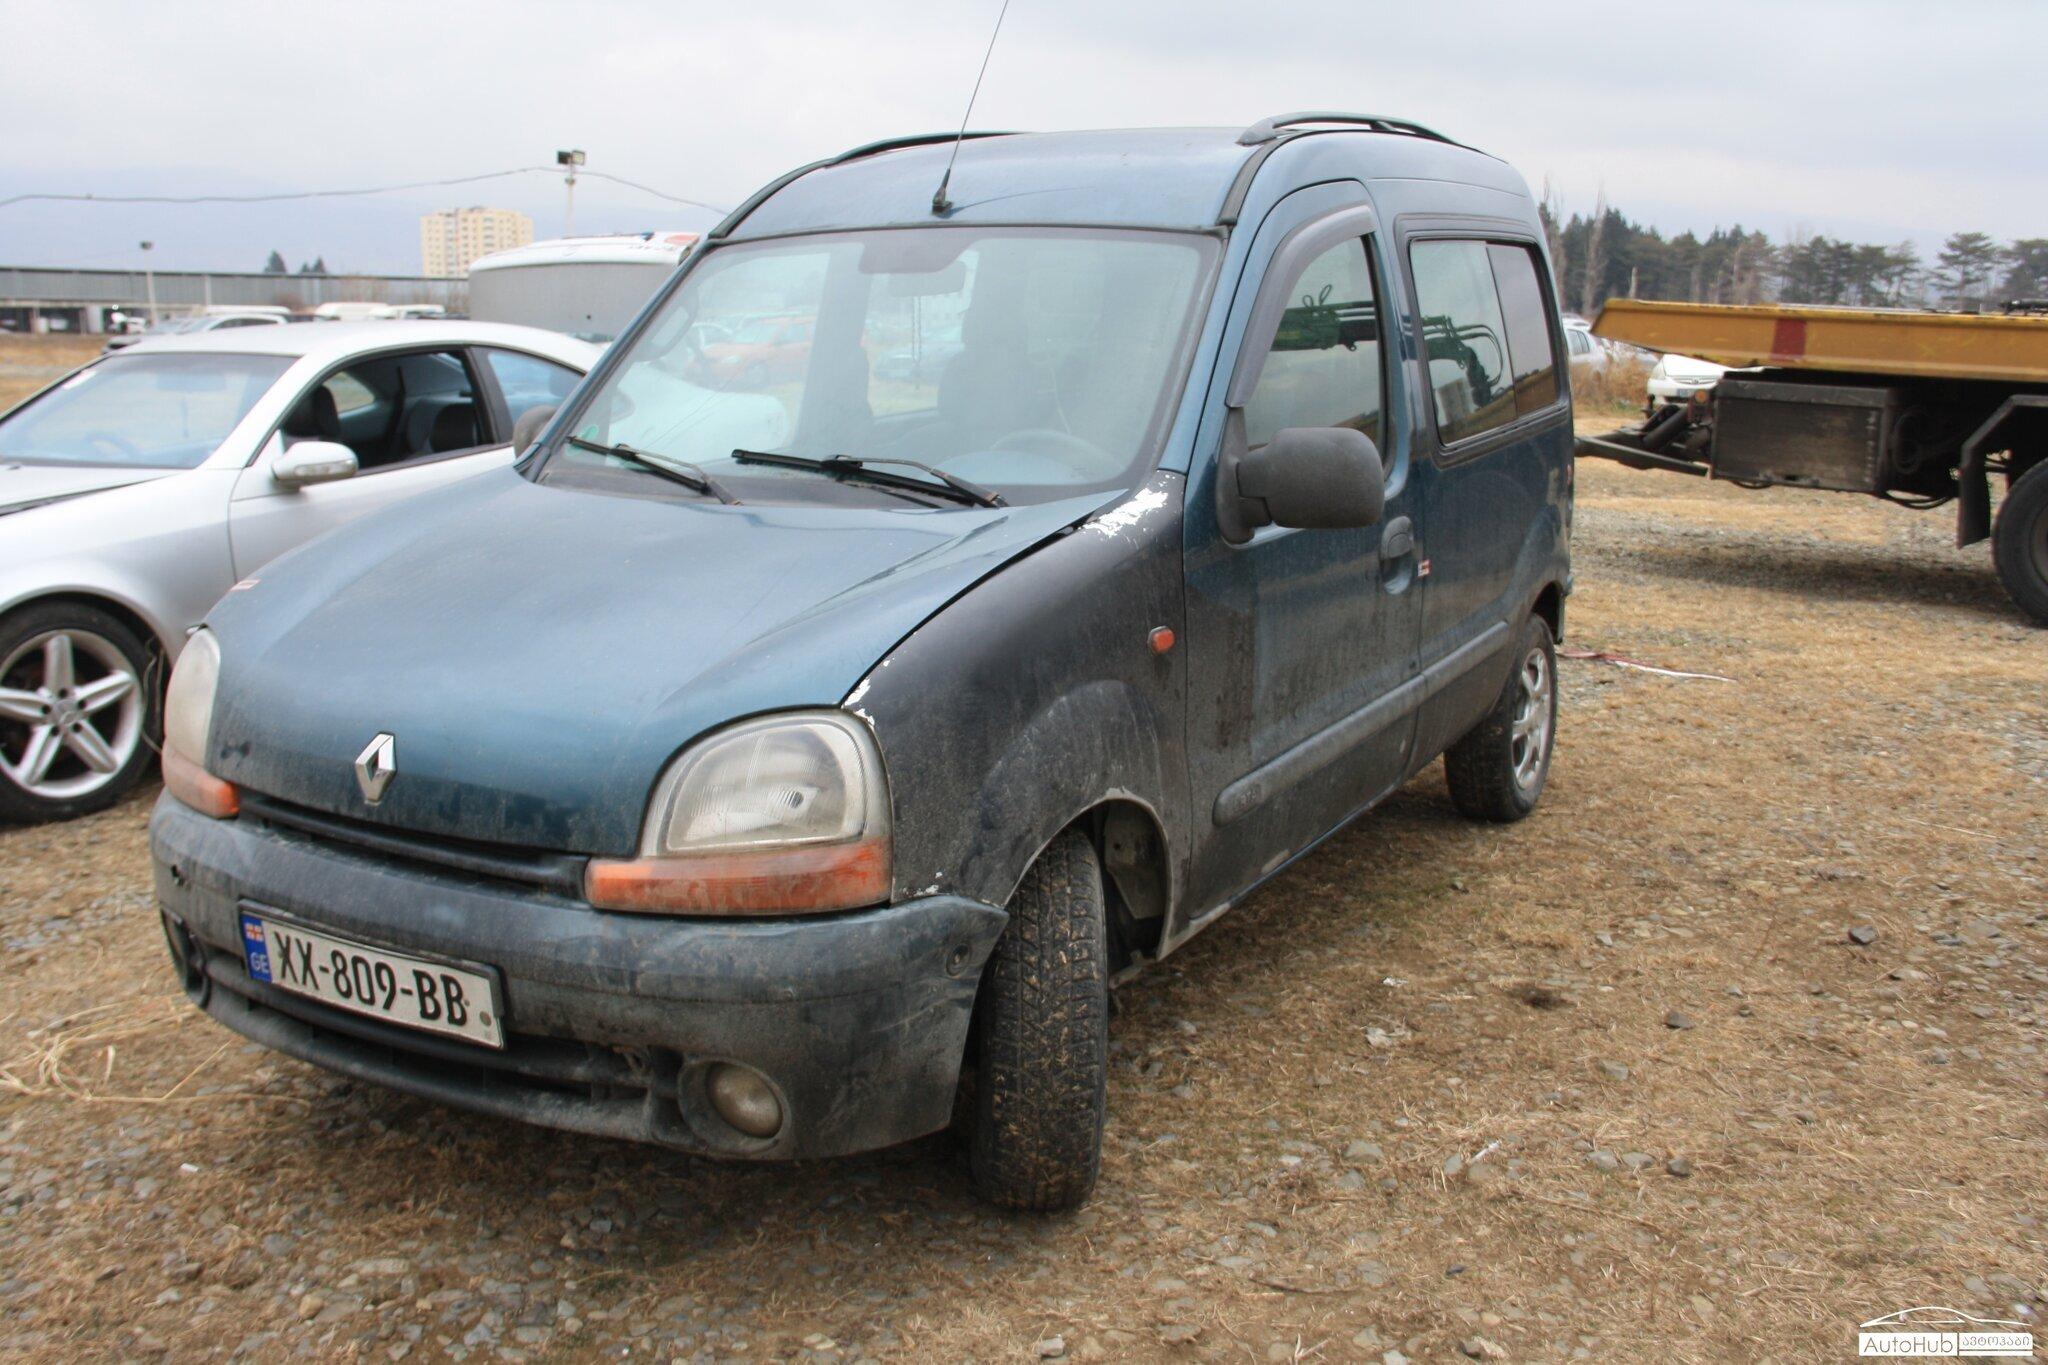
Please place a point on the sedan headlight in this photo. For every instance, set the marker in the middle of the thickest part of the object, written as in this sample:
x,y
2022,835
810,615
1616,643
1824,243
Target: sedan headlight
x,y
782,815
188,724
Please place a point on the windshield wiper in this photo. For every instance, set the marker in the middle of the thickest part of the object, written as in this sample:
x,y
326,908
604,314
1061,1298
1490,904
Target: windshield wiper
x,y
676,471
948,485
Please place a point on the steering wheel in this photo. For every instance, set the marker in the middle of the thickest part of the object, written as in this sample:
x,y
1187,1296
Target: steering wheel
x,y
120,445
1093,461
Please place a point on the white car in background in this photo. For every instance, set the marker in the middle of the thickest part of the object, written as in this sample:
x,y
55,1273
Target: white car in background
x,y
1676,378
215,319
1583,350
138,490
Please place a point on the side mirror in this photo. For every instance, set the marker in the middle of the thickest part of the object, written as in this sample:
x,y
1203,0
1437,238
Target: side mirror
x,y
1312,478
311,462
528,428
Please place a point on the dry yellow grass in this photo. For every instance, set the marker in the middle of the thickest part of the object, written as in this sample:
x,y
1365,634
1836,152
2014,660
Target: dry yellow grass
x,y
1618,386
27,363
1864,1125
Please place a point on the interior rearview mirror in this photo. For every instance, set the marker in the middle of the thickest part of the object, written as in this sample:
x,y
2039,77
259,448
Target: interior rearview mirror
x,y
1305,477
528,428
311,462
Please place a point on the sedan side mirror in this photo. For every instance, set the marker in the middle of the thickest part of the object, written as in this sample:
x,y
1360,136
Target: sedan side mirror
x,y
310,462
528,428
1305,477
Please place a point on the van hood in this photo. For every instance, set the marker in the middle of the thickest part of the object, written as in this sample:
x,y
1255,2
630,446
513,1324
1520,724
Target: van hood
x,y
23,486
539,654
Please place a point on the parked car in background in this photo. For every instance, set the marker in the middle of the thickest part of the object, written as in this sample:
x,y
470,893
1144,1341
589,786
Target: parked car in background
x,y
1676,378
1583,350
355,311
137,490
218,319
715,775
589,287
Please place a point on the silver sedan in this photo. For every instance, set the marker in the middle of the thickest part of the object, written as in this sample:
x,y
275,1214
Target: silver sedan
x,y
138,490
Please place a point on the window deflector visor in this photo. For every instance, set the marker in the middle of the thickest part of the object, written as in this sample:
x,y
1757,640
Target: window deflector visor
x,y
1276,291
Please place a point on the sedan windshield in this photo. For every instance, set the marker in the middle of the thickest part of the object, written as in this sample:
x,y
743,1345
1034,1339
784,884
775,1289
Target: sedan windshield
x,y
147,411
1039,363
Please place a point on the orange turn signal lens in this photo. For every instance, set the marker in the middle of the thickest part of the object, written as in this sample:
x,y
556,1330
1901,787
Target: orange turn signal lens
x,y
198,788
783,881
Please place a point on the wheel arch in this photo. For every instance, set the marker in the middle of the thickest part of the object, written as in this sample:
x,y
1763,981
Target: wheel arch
x,y
1549,605
127,613
2020,418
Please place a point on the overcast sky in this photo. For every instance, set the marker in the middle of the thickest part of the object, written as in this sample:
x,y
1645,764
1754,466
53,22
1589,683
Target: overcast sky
x,y
1876,120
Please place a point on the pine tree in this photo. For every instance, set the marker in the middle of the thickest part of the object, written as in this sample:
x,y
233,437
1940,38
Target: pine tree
x,y
1964,269
275,265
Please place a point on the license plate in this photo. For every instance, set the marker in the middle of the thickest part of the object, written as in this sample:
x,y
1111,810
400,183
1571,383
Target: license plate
x,y
432,996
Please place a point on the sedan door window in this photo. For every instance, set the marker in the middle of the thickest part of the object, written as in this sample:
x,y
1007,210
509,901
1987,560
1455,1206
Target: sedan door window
x,y
393,409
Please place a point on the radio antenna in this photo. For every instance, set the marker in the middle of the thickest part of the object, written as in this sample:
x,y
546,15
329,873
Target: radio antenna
x,y
941,205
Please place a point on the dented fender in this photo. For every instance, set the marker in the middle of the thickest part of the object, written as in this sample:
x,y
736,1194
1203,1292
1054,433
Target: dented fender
x,y
1036,696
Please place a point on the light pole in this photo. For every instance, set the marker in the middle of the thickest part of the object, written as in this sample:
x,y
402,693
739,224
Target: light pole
x,y
569,161
149,280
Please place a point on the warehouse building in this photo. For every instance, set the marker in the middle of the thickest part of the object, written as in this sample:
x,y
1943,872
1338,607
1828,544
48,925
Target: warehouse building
x,y
47,299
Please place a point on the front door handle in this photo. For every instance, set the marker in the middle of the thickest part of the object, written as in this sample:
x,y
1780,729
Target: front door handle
x,y
1398,540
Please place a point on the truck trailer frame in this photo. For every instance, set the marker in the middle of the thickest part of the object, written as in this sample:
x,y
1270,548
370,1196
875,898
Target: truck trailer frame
x,y
1919,408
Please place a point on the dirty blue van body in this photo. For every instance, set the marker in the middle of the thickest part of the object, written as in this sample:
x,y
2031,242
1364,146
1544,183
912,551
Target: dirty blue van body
x,y
742,799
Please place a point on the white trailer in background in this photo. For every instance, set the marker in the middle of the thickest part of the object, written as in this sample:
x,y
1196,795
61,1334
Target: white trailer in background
x,y
589,287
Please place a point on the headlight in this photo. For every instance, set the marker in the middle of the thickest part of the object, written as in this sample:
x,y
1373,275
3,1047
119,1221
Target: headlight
x,y
188,724
783,815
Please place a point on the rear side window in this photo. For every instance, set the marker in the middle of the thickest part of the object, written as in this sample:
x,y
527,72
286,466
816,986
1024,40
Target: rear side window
x,y
1486,334
1531,351
1324,368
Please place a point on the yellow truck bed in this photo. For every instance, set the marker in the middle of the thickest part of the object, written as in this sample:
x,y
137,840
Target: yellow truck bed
x,y
1855,340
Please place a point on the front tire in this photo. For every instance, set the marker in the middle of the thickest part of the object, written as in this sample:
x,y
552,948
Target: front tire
x,y
1498,771
2019,543
1042,1055
78,706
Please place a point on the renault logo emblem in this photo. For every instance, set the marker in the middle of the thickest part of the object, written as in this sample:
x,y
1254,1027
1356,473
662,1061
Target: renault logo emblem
x,y
376,766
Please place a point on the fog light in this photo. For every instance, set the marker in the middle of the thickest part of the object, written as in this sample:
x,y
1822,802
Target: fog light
x,y
744,1099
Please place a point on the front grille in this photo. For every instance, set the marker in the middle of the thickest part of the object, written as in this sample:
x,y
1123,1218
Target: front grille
x,y
561,873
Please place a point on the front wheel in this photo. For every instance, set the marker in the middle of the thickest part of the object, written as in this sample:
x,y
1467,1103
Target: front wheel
x,y
2019,543
1042,1056
77,704
1497,772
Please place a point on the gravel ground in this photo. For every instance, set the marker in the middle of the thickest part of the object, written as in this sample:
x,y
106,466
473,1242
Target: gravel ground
x,y
1737,1043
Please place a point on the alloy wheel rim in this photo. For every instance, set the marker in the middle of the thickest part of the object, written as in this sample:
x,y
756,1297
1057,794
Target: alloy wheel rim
x,y
1529,735
70,714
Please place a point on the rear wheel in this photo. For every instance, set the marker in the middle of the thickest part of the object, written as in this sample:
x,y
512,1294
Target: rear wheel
x,y
77,704
1042,1055
2019,543
1497,772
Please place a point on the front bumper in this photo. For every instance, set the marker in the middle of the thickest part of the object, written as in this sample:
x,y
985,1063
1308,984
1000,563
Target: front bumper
x,y
1680,390
858,1020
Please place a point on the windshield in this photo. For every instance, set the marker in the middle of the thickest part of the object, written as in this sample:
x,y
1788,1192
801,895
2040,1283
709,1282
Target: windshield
x,y
1040,363
147,411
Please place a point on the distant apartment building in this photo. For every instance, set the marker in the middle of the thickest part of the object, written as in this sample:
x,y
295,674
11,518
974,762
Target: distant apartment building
x,y
452,238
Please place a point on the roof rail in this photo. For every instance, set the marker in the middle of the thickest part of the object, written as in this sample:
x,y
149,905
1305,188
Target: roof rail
x,y
895,144
891,144
1267,129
